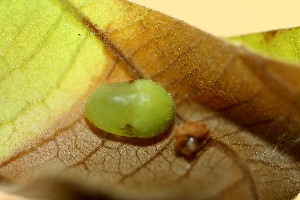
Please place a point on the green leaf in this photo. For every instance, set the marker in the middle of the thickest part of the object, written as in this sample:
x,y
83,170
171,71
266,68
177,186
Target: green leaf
x,y
48,61
278,44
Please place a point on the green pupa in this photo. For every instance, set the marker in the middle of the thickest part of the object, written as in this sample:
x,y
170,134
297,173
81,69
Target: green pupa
x,y
139,108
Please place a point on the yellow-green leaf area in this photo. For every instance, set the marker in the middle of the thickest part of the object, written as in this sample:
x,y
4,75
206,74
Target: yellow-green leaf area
x,y
108,16
48,60
279,44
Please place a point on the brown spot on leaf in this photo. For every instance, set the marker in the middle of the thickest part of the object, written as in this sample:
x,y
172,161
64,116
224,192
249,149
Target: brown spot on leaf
x,y
268,36
131,81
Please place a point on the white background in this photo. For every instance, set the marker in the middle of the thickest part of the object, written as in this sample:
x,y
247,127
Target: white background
x,y
231,17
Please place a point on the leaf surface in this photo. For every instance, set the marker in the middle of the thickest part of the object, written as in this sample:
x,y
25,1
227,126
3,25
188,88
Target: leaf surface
x,y
281,44
250,102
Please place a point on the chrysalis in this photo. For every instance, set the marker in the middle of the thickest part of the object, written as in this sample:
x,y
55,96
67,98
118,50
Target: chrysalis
x,y
140,108
190,137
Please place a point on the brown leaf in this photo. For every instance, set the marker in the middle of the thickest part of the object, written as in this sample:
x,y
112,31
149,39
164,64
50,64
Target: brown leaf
x,y
250,103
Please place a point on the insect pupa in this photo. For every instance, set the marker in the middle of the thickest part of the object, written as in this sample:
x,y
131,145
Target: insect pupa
x,y
139,108
190,137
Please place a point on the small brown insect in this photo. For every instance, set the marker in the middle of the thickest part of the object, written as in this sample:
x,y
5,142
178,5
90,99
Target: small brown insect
x,y
190,137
